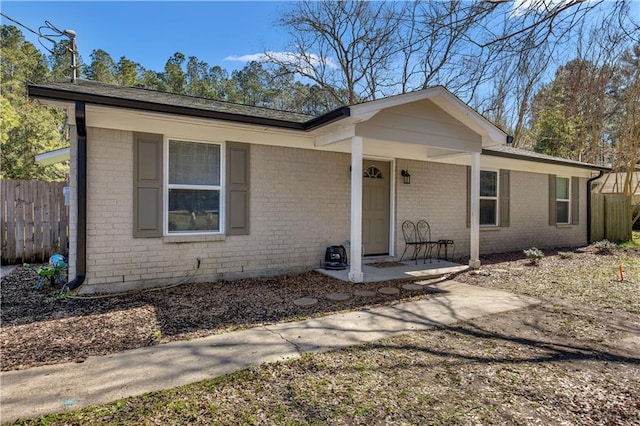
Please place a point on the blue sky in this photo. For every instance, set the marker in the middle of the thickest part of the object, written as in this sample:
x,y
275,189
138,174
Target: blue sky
x,y
149,32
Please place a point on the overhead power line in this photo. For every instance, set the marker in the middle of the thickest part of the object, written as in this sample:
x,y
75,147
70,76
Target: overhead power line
x,y
47,26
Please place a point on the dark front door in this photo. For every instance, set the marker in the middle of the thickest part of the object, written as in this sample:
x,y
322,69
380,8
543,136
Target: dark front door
x,y
375,207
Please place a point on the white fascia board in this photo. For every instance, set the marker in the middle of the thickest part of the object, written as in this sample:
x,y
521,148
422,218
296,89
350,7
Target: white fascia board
x,y
194,128
335,135
53,157
533,166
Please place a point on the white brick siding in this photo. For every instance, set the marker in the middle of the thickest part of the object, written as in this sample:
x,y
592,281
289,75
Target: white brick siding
x,y
438,192
300,204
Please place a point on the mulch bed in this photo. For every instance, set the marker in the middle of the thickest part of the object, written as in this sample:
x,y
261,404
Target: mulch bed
x,y
38,327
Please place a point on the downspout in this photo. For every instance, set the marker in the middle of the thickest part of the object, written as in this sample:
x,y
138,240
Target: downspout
x,y
81,182
589,205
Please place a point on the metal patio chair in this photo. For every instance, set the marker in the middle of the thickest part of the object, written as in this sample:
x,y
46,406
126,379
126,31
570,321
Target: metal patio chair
x,y
411,239
424,236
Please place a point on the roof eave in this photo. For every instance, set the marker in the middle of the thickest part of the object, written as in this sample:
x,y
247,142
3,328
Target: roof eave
x,y
327,118
67,95
545,160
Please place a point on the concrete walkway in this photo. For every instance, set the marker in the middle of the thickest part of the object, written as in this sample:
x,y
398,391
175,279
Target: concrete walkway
x,y
98,380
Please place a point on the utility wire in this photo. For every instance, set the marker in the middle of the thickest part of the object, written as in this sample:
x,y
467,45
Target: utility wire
x,y
26,27
48,25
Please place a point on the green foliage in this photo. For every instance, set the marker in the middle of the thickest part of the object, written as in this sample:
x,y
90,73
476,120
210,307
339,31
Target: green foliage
x,y
60,62
565,255
604,247
102,68
534,255
27,128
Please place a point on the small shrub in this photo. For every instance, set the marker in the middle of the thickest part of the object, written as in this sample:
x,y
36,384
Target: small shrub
x,y
534,255
565,255
604,247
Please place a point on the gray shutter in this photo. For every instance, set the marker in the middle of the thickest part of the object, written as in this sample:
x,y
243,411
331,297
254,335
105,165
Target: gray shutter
x,y
553,218
575,200
238,166
468,196
147,185
505,185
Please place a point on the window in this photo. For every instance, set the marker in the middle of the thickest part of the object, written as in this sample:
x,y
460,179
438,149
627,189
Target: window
x,y
488,198
372,172
563,200
193,187
494,198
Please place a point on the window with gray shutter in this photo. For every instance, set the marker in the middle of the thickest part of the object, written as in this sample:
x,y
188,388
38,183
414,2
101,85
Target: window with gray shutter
x,y
238,166
147,185
564,200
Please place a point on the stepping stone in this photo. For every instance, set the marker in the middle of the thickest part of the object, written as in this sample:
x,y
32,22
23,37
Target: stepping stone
x,y
364,293
305,301
388,290
338,297
501,271
412,287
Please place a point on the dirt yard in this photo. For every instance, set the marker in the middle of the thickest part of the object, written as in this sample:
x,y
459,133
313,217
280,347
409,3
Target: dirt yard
x,y
572,359
39,328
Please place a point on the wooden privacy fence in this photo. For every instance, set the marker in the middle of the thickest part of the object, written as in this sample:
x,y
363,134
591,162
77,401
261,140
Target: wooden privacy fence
x,y
610,217
34,220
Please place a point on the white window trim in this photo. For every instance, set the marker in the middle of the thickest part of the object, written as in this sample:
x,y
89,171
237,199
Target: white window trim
x,y
563,200
496,199
167,187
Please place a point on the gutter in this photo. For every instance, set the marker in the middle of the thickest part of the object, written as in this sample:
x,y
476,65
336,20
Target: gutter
x,y
589,204
558,162
66,95
327,118
141,105
81,217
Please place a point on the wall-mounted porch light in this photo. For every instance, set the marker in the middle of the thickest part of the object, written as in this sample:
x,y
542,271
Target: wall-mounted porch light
x,y
406,177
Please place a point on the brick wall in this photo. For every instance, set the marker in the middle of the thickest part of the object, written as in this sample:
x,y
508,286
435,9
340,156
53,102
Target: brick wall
x,y
438,194
299,202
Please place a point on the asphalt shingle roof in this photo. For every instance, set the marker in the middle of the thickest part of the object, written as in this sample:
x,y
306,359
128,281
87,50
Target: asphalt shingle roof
x,y
145,99
140,95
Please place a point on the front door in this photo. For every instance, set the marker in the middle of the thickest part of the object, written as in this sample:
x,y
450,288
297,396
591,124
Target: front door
x,y
375,207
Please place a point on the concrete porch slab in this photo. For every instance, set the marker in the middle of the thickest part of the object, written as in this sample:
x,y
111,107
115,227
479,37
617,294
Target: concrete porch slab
x,y
407,271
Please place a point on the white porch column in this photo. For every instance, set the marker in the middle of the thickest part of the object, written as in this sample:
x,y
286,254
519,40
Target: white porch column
x,y
355,257
474,256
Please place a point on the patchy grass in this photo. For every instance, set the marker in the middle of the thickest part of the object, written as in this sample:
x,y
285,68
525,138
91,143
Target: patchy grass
x,y
573,359
587,278
634,242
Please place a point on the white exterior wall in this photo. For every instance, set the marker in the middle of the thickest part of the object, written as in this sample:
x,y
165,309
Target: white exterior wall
x,y
438,192
299,206
529,208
